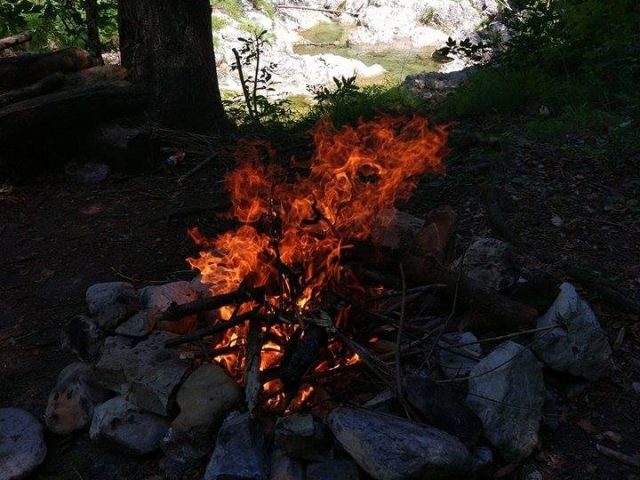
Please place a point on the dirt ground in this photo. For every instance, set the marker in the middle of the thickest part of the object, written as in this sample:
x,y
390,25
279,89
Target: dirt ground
x,y
58,237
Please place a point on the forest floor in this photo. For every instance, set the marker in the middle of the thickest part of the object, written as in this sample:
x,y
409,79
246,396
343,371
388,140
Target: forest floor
x,y
572,200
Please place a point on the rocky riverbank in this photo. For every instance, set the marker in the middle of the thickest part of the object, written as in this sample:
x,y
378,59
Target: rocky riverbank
x,y
366,25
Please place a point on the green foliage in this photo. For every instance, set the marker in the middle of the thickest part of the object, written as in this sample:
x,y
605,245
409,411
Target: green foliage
x,y
264,5
348,102
259,111
427,16
580,59
57,23
233,8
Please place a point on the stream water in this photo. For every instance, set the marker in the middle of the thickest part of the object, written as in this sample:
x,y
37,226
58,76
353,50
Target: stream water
x,y
331,37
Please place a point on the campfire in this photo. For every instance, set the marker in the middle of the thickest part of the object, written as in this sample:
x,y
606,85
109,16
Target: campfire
x,y
288,264
329,329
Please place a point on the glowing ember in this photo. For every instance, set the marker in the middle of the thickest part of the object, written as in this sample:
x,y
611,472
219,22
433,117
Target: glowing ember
x,y
295,230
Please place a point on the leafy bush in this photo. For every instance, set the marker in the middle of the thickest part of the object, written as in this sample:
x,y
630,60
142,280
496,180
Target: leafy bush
x,y
568,55
57,23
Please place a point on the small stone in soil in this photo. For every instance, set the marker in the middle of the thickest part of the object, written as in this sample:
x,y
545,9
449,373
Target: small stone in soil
x,y
240,452
124,425
22,447
83,336
335,469
72,401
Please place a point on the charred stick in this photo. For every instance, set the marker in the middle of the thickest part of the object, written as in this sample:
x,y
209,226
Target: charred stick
x,y
177,312
303,351
253,386
211,330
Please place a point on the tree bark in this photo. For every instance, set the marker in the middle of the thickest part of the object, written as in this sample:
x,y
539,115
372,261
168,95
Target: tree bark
x,y
93,33
14,40
168,45
27,69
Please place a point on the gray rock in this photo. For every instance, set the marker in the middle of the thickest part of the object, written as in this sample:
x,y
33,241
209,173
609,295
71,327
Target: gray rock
x,y
88,174
441,408
113,359
240,450
430,84
455,360
138,326
205,397
22,447
72,401
153,373
391,448
578,345
302,436
334,469
157,299
384,402
490,262
284,467
124,425
184,451
110,303
482,458
506,390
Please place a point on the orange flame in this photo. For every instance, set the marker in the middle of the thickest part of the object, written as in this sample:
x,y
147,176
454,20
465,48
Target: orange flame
x,y
294,230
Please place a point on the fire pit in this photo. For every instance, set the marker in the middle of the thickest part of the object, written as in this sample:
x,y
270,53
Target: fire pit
x,y
328,332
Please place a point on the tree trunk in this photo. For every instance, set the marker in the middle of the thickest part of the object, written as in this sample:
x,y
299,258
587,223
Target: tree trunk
x,y
93,33
168,45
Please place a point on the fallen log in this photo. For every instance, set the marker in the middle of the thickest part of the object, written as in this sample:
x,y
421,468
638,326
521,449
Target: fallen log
x,y
42,87
23,70
54,113
489,310
15,40
102,73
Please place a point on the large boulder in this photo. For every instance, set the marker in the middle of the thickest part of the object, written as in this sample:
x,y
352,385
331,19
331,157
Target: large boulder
x,y
577,344
391,448
506,391
22,447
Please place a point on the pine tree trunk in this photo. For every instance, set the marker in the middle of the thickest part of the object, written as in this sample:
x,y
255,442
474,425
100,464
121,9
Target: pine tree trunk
x,y
168,45
93,33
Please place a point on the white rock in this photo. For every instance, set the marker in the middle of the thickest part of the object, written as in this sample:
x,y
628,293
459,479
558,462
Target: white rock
x,y
506,390
578,345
